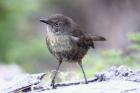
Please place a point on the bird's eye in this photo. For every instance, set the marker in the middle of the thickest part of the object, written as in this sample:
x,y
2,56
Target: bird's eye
x,y
56,24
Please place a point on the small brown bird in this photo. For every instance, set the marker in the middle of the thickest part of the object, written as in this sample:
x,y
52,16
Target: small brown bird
x,y
67,42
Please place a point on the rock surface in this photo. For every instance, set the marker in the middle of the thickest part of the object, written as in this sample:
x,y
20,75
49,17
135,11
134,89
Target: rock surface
x,y
23,83
115,80
112,86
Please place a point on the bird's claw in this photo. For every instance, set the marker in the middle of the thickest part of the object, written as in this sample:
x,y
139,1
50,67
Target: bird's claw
x,y
52,84
86,82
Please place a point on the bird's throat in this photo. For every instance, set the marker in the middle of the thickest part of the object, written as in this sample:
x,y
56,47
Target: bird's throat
x,y
58,42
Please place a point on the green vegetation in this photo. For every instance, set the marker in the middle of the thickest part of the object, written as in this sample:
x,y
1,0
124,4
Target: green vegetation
x,y
12,14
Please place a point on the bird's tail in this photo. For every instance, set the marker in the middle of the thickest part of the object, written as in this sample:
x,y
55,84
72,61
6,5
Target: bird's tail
x,y
89,41
97,38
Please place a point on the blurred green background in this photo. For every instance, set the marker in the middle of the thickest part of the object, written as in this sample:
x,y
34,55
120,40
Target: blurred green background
x,y
22,36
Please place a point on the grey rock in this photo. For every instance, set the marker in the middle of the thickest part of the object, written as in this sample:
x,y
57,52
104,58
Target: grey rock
x,y
115,80
23,83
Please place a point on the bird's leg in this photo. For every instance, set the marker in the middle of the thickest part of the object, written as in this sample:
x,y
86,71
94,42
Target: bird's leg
x,y
80,64
53,79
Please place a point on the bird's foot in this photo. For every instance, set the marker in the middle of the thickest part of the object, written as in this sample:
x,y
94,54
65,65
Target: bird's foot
x,y
86,82
53,85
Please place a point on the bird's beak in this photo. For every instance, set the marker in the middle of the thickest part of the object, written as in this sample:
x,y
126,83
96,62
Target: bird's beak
x,y
44,21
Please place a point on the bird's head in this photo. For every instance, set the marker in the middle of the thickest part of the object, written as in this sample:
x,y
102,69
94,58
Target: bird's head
x,y
58,23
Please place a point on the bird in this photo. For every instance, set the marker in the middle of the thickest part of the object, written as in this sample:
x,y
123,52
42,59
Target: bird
x,y
67,42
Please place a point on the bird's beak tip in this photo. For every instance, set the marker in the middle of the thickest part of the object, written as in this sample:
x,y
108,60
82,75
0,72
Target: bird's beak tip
x,y
44,21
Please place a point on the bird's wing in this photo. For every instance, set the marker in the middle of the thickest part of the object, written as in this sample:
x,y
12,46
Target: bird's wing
x,y
77,32
81,38
84,39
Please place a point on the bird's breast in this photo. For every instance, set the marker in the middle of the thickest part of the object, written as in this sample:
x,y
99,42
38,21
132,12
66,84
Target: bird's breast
x,y
58,43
